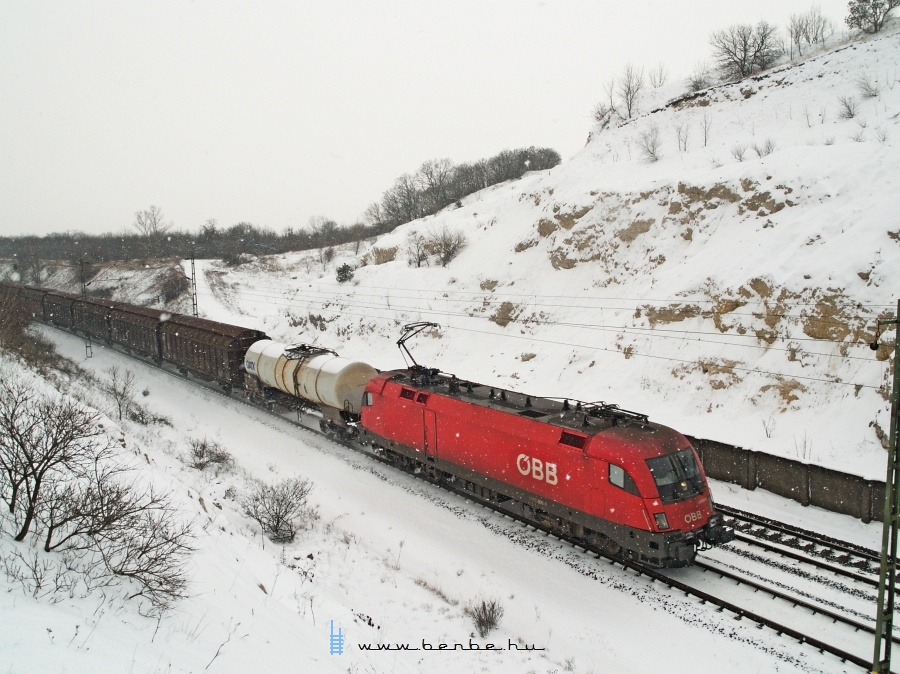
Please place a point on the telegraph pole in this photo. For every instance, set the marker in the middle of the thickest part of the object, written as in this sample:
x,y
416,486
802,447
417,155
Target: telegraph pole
x,y
884,619
193,285
88,347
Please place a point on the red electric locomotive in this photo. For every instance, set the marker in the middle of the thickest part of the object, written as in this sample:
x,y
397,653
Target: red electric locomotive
x,y
593,471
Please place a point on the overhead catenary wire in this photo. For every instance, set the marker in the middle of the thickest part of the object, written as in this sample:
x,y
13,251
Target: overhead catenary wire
x,y
680,334
668,332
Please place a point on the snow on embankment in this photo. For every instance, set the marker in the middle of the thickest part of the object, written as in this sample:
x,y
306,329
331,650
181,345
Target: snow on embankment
x,y
728,289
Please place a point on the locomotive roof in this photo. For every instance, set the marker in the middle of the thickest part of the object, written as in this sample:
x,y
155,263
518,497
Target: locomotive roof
x,y
584,418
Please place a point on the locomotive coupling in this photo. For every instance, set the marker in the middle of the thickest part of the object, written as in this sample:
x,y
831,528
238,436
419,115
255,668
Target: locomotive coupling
x,y
717,532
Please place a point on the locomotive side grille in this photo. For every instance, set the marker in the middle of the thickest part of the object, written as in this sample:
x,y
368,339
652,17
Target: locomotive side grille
x,y
577,441
534,414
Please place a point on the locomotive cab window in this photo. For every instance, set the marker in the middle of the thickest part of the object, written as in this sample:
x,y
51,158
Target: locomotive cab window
x,y
367,399
619,478
677,476
408,394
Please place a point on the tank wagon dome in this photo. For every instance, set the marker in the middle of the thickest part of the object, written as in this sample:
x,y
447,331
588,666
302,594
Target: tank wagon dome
x,y
312,373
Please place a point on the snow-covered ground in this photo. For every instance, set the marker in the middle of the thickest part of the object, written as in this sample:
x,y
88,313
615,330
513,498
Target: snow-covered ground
x,y
727,292
389,559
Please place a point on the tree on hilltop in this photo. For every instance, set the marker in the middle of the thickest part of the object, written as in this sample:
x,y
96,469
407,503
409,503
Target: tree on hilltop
x,y
742,49
869,15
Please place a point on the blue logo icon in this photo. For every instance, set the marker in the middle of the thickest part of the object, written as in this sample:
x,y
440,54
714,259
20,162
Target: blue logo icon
x,y
336,641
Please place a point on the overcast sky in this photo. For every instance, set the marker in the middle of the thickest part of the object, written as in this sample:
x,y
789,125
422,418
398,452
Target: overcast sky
x,y
274,111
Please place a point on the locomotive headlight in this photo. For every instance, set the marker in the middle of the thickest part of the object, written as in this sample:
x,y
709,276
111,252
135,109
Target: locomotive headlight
x,y
661,520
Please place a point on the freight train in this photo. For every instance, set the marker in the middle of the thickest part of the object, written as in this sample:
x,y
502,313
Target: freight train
x,y
591,471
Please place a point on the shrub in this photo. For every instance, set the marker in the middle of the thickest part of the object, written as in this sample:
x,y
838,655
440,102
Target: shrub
x,y
848,107
486,614
765,149
204,453
344,273
280,508
383,255
446,244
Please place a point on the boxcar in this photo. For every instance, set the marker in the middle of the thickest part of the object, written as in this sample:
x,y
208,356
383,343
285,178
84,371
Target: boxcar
x,y
137,329
31,301
207,348
58,308
91,316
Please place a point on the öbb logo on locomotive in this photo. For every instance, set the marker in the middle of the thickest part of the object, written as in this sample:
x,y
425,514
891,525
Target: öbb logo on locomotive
x,y
696,516
634,487
538,469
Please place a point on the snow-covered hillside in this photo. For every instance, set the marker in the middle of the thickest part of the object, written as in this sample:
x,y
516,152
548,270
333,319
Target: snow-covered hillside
x,y
727,292
728,289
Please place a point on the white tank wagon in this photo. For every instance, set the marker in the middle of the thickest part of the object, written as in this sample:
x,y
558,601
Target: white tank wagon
x,y
311,373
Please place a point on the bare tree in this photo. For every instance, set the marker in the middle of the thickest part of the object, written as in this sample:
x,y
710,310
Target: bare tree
x,y
631,84
74,513
681,127
326,255
809,28
602,114
434,179
324,230
152,227
609,88
40,439
742,50
16,400
151,551
416,249
818,26
701,78
658,76
650,143
798,32
869,15
122,388
706,125
373,215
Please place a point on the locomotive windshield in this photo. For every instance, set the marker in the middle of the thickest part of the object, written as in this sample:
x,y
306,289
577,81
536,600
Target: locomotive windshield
x,y
677,476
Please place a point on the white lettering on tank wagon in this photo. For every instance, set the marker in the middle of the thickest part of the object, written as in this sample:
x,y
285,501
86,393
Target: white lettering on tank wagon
x,y
543,472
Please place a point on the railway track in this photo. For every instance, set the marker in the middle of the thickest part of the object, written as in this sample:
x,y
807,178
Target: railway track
x,y
809,545
755,530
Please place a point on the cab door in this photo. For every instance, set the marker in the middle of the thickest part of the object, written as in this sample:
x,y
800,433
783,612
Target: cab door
x,y
431,441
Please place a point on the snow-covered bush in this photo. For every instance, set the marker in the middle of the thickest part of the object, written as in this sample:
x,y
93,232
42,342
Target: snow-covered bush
x,y
204,453
486,614
280,509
